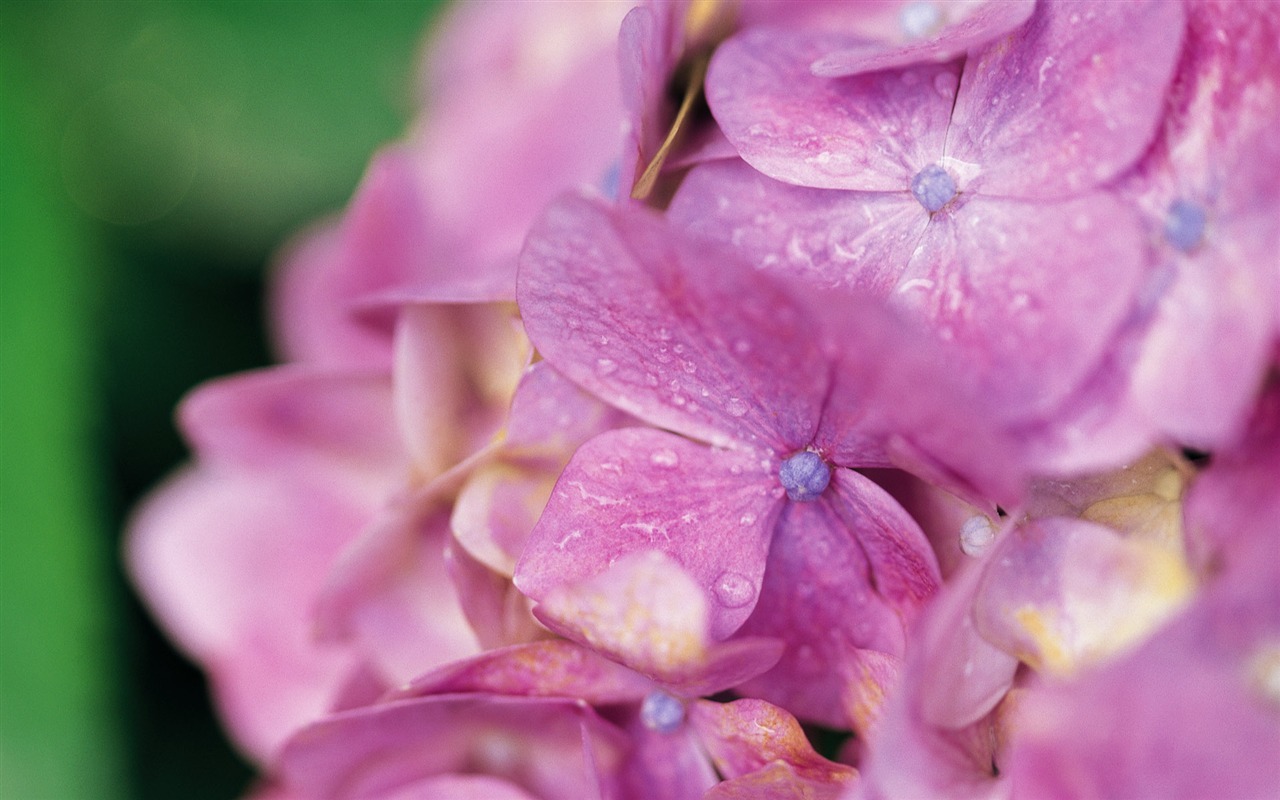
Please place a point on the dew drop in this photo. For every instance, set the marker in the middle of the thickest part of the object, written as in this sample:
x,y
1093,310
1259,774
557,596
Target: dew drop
x,y
934,187
976,535
734,590
919,19
747,519
804,475
1184,225
664,458
606,366
662,713
736,407
742,347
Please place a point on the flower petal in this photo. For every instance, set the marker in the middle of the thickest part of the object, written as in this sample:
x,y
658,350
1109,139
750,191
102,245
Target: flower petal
x,y
682,335
749,735
1070,100
646,612
554,748
967,26
870,132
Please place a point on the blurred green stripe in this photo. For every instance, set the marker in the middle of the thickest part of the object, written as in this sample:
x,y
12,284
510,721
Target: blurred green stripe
x,y
59,726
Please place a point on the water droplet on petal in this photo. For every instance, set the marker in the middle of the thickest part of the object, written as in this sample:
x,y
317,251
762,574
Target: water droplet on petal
x,y
664,458
662,713
734,590
736,407
605,366
934,187
747,519
1184,225
919,19
976,535
804,475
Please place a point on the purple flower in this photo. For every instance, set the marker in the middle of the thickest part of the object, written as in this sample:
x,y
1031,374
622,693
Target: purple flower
x,y
788,393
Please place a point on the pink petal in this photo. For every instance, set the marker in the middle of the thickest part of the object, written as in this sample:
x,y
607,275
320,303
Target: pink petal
x,y
679,334
1068,101
456,368
831,238
391,593
902,566
819,597
1232,512
555,749
1032,295
496,611
312,296
668,765
967,26
1062,593
551,417
296,415
636,490
749,735
646,612
497,509
231,563
870,132
553,668
458,787
1211,666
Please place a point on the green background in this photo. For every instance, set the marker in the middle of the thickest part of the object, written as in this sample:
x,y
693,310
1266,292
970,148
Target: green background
x,y
152,157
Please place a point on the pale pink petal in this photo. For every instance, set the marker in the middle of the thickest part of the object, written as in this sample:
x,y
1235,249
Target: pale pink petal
x,y
496,510
312,294
553,668
1191,714
1063,594
299,417
636,490
648,613
869,132
391,594
553,748
1032,295
497,612
456,368
458,787
1070,100
680,334
1233,509
745,736
832,238
231,563
963,27
551,416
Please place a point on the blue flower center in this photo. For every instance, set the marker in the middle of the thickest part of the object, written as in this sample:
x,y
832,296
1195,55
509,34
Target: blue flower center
x,y
1184,225
661,712
804,475
934,187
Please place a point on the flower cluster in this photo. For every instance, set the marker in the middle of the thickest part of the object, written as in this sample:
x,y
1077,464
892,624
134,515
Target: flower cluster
x,y
767,400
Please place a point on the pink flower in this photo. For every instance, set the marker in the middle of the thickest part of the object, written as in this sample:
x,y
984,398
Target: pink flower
x,y
687,339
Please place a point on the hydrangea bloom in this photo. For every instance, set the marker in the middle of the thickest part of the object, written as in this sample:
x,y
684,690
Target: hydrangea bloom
x,y
919,413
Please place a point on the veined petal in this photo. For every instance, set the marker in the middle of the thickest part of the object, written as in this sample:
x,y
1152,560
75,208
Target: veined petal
x,y
965,26
636,490
746,736
820,598
1032,295
862,240
681,334
552,668
870,132
1068,101
646,612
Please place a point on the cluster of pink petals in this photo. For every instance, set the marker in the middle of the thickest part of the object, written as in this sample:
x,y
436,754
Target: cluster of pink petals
x,y
767,400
